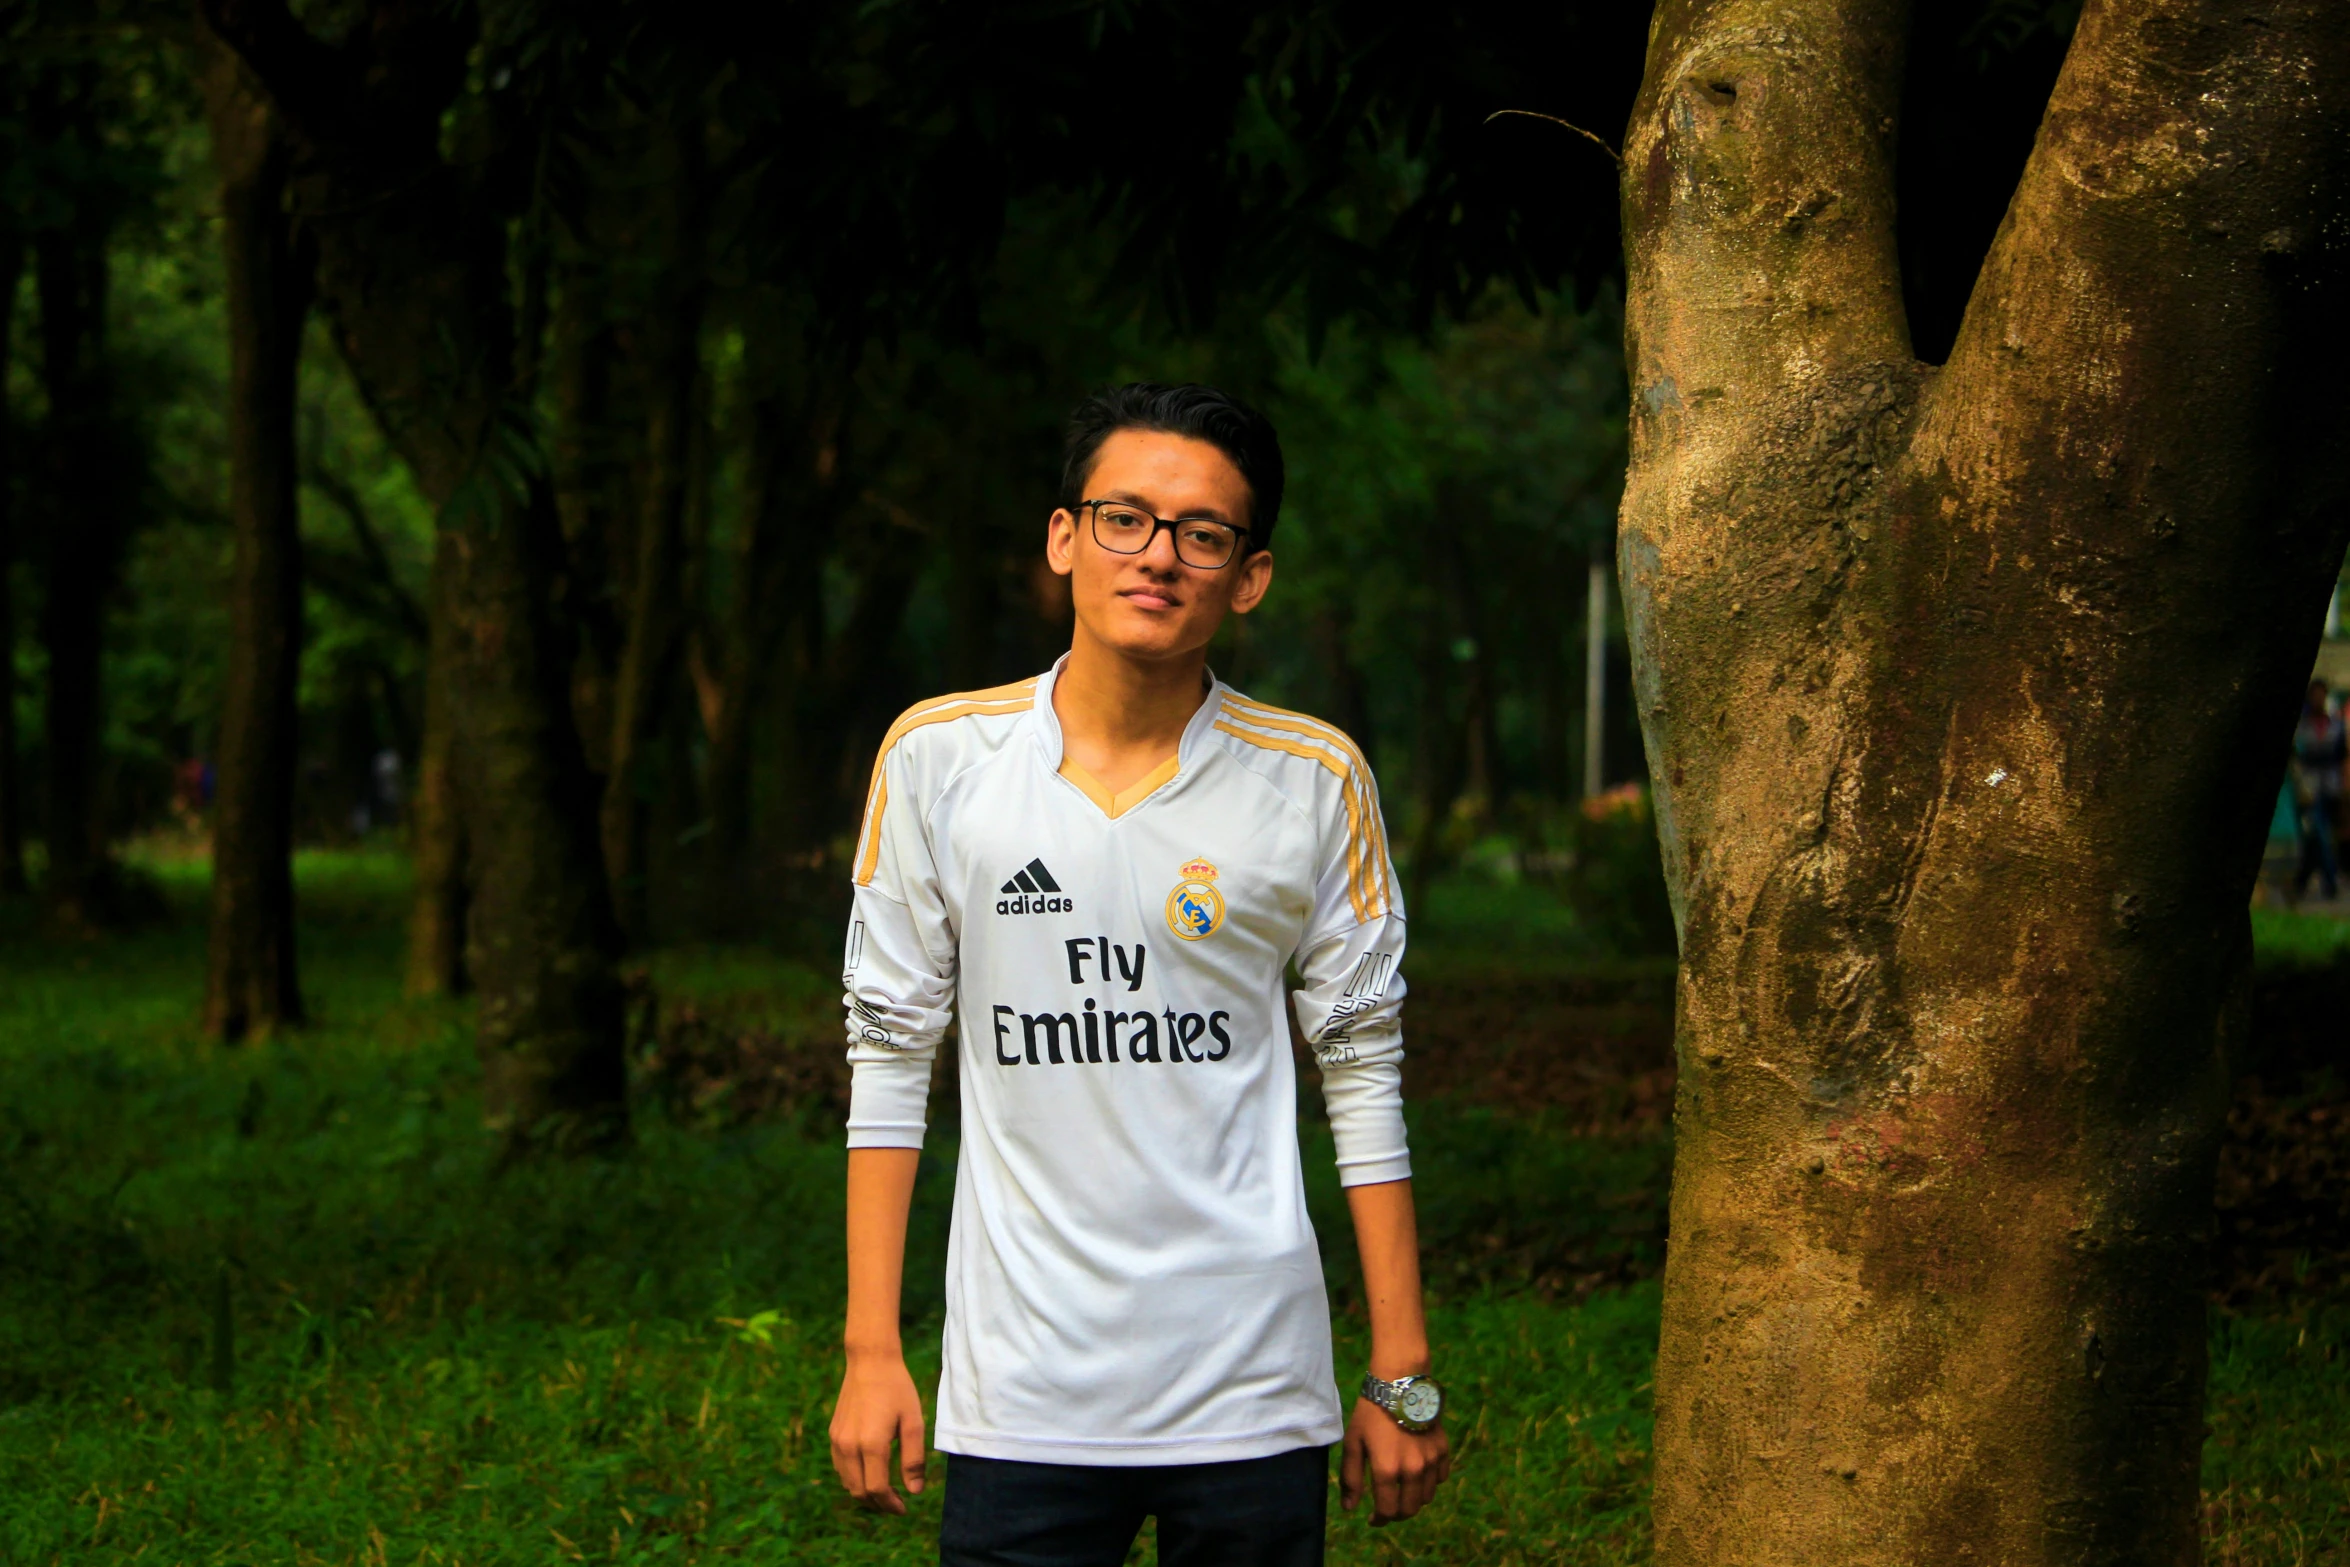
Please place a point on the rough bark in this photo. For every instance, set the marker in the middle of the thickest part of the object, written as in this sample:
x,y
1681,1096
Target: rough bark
x,y
86,527
12,877
412,272
251,985
1964,692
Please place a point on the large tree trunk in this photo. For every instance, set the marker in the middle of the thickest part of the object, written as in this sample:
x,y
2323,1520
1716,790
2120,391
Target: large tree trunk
x,y
86,503
12,877
412,272
250,984
1965,692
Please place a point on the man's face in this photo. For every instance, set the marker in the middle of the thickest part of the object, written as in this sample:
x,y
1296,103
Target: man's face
x,y
1155,605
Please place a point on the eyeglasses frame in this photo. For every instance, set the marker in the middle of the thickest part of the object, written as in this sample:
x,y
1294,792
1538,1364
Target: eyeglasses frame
x,y
1168,523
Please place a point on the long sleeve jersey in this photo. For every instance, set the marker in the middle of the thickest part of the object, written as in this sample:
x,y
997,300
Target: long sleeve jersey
x,y
1131,1274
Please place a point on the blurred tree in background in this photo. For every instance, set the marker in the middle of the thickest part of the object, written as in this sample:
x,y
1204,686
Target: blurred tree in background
x,y
682,399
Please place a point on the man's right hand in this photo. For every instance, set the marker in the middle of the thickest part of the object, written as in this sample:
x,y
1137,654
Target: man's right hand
x,y
878,1405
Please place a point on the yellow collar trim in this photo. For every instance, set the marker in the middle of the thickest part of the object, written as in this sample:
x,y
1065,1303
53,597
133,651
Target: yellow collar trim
x,y
1117,805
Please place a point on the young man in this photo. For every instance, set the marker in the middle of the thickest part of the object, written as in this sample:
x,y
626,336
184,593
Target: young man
x,y
1104,872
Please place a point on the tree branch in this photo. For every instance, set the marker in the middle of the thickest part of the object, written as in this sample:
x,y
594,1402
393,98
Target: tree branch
x,y
1758,209
2164,279
317,85
406,612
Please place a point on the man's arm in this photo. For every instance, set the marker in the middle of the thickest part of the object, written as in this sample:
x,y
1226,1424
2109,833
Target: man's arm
x,y
1403,1468
899,974
878,1403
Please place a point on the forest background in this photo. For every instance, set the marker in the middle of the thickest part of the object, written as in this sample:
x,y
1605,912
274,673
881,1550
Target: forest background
x,y
871,387
787,315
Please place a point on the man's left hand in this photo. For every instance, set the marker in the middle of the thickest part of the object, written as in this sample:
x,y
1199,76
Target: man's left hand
x,y
1401,1468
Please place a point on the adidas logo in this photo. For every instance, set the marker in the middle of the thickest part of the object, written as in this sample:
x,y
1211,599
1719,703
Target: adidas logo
x,y
1032,890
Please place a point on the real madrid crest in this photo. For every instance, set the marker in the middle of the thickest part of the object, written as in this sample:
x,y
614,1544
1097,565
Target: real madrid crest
x,y
1195,909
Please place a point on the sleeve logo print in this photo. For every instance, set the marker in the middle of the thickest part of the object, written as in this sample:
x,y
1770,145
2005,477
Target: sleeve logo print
x,y
1195,909
1032,890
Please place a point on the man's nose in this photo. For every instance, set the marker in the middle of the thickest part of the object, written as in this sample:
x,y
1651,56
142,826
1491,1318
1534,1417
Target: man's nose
x,y
1161,556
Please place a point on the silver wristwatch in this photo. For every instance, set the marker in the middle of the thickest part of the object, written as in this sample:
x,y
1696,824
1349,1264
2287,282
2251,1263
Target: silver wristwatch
x,y
1416,1403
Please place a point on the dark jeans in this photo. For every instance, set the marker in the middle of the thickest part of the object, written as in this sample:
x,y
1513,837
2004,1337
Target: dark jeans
x,y
1258,1512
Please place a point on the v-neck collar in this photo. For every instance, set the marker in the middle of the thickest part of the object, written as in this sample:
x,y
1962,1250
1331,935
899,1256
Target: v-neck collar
x,y
1115,805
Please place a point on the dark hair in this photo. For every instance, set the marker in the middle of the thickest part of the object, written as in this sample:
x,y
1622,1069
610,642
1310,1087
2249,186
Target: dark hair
x,y
1201,412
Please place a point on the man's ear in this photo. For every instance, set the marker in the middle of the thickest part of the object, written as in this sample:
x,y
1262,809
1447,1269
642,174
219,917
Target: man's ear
x,y
1256,579
1060,542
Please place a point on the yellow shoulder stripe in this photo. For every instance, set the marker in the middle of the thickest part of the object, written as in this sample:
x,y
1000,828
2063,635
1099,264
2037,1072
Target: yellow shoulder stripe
x,y
993,702
1263,716
1364,885
1266,716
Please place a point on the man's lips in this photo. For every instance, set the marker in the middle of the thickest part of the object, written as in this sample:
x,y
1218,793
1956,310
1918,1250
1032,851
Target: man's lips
x,y
1148,598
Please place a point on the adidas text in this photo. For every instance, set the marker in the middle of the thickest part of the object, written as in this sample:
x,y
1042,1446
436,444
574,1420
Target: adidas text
x,y
1022,903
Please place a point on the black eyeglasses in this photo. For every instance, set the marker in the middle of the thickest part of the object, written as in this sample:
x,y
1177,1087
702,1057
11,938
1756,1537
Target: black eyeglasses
x,y
1123,528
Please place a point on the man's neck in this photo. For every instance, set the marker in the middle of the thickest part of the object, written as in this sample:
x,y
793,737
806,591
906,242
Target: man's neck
x,y
1121,717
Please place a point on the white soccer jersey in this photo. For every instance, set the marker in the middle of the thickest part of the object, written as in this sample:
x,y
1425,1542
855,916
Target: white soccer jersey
x,y
1131,1276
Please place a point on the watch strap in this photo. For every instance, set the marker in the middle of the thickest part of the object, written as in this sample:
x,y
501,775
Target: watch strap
x,y
1389,1396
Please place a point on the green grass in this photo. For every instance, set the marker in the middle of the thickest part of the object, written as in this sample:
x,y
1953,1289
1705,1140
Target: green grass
x,y
272,1304
2282,936
2276,1469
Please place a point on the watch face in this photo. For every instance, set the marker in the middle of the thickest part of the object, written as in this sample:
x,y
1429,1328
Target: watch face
x,y
1421,1402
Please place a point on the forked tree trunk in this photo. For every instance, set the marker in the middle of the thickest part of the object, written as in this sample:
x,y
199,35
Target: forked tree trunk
x,y
412,273
250,983
1965,693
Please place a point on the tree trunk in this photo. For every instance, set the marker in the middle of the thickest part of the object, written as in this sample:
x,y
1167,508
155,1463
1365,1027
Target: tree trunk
x,y
412,273
250,983
12,877
648,666
1595,682
541,945
436,817
1442,765
793,495
731,652
87,525
1964,692
585,436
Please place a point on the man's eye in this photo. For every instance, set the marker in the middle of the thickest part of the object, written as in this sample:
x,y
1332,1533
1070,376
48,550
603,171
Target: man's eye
x,y
1206,533
1124,521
